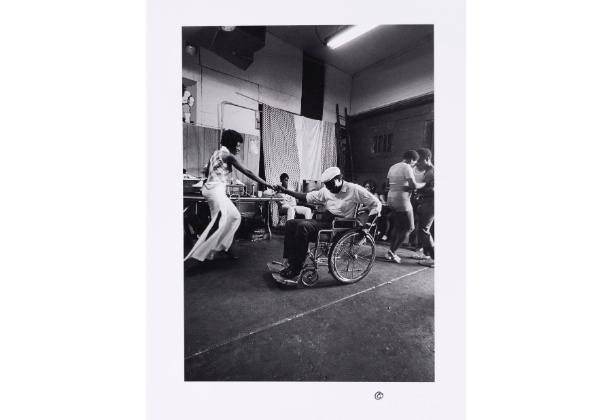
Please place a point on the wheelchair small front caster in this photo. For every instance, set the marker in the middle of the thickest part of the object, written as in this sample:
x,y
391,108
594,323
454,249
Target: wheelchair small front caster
x,y
309,277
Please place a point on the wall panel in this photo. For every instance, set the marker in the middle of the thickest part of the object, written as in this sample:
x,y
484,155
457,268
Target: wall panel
x,y
185,142
337,91
212,139
193,150
202,156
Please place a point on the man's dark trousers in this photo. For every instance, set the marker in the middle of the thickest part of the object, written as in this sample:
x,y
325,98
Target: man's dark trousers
x,y
298,233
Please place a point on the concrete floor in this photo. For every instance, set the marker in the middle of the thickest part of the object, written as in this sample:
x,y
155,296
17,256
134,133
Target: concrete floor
x,y
240,325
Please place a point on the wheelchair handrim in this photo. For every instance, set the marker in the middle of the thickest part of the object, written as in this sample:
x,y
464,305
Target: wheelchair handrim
x,y
350,260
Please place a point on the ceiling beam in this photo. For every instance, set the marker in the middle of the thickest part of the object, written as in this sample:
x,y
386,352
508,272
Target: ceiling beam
x,y
396,106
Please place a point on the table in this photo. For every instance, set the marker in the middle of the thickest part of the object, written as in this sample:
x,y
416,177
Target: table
x,y
260,201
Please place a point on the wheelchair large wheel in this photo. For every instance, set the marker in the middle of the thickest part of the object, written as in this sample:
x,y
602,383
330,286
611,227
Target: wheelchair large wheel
x,y
352,256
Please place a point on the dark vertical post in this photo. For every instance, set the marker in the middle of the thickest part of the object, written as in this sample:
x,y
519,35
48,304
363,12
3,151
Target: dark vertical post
x,y
313,85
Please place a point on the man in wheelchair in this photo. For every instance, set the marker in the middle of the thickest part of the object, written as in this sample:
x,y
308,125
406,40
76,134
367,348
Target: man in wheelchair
x,y
340,198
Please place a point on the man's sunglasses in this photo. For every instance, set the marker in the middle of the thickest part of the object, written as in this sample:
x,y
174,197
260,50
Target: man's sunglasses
x,y
331,183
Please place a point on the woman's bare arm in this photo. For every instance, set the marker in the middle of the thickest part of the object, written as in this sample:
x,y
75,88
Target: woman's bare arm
x,y
231,159
412,184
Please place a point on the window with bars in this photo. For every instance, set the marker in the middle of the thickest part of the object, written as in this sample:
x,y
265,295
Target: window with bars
x,y
382,144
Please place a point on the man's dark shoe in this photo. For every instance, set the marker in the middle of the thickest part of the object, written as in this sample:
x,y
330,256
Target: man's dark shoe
x,y
290,272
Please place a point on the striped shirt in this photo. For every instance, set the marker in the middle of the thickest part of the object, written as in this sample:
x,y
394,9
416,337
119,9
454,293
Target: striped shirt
x,y
218,169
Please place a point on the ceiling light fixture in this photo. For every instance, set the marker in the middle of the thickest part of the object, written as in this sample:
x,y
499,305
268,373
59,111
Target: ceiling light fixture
x,y
347,34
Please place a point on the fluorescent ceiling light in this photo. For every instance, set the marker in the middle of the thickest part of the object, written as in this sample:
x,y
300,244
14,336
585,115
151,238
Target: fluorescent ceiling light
x,y
348,34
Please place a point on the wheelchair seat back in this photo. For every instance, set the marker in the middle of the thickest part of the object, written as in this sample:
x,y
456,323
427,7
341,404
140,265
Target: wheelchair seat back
x,y
340,225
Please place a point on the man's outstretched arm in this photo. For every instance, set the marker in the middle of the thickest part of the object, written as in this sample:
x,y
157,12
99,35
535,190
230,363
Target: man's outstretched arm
x,y
298,195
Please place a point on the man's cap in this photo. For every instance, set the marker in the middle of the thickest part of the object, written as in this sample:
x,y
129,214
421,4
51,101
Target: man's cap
x,y
330,173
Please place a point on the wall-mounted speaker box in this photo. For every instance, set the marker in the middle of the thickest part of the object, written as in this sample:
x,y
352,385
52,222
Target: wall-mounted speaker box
x,y
237,46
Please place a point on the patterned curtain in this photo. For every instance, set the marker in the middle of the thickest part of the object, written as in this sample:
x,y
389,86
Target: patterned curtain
x,y
329,153
280,149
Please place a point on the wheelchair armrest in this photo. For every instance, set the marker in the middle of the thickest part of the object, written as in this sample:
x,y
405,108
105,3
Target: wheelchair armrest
x,y
355,223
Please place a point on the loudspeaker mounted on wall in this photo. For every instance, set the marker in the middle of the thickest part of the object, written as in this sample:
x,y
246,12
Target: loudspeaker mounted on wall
x,y
236,46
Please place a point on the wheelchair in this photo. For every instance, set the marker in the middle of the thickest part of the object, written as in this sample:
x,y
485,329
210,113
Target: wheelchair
x,y
346,250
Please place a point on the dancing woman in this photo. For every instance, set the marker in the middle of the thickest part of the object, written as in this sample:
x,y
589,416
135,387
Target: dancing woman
x,y
224,216
401,184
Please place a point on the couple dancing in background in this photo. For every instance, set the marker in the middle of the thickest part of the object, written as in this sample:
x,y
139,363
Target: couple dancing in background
x,y
402,183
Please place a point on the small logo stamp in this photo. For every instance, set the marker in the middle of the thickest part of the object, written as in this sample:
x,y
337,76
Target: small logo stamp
x,y
378,395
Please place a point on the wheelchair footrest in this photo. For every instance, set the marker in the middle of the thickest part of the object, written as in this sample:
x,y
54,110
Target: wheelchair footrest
x,y
282,280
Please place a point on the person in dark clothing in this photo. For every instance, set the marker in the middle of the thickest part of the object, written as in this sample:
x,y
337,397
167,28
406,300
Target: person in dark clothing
x,y
425,211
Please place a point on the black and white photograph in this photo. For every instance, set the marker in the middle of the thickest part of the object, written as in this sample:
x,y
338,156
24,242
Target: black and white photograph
x,y
308,203
300,270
